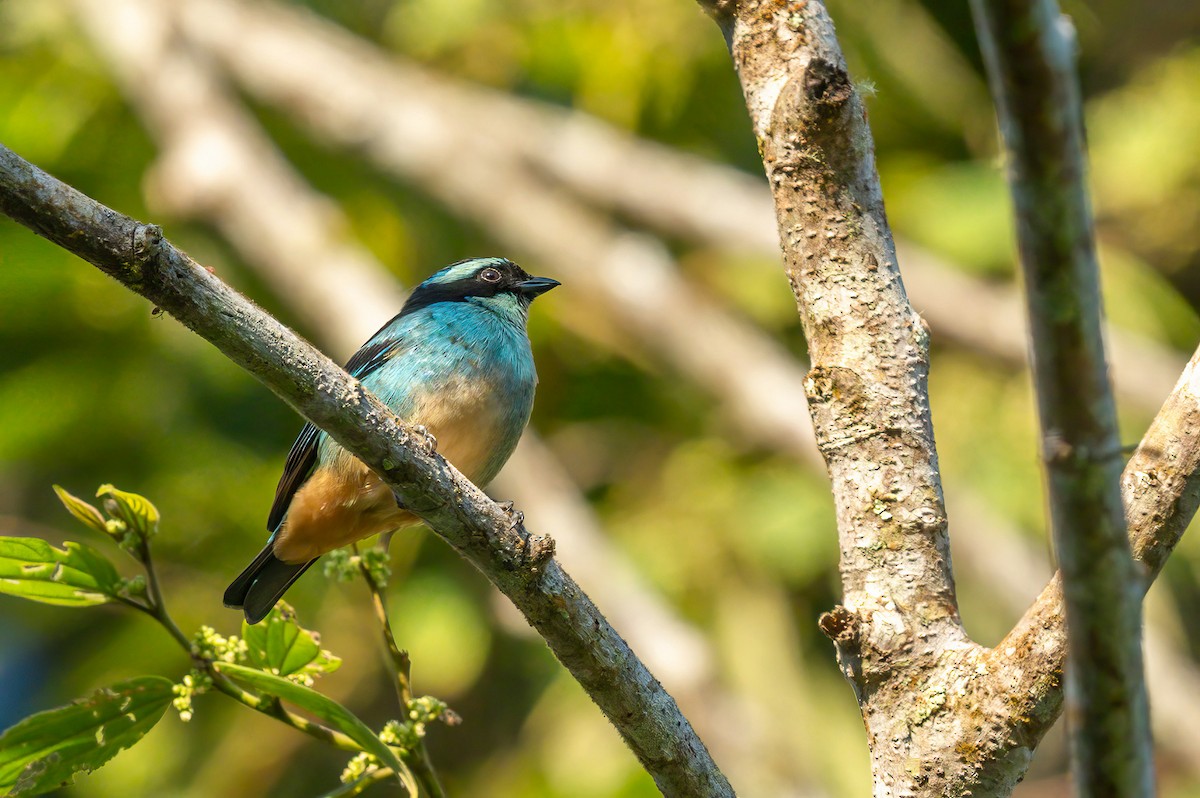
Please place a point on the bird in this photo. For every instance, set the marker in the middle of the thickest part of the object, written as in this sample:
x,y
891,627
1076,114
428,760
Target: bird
x,y
456,361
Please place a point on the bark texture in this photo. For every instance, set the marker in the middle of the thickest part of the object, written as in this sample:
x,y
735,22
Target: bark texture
x,y
899,627
492,537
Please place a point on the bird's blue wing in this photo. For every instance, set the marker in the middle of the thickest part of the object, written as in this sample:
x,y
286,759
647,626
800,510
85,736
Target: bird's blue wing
x,y
303,456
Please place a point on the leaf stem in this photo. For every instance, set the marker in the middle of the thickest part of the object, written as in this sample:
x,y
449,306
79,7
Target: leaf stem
x,y
360,785
157,609
422,766
271,707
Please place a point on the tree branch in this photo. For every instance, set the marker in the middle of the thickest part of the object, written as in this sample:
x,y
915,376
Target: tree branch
x,y
1012,569
490,537
867,388
1161,491
1031,67
401,667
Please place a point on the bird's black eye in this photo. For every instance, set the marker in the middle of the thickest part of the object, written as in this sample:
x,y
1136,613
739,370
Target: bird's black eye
x,y
490,275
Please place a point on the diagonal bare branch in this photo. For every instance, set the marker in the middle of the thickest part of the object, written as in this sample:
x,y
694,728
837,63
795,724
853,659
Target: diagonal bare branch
x,y
217,164
491,537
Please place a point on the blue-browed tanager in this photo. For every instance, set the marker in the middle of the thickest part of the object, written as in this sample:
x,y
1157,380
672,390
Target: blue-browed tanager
x,y
456,361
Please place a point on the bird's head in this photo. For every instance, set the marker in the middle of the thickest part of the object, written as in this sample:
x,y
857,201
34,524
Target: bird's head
x,y
497,284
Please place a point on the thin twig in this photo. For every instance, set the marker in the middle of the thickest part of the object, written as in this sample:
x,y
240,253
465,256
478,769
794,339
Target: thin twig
x,y
1030,61
401,664
360,785
271,707
401,667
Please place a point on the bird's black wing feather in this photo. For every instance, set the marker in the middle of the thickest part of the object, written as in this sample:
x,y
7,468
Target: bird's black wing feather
x,y
303,456
299,465
373,355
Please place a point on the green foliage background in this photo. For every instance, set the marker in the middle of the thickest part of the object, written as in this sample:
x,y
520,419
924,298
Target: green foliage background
x,y
741,541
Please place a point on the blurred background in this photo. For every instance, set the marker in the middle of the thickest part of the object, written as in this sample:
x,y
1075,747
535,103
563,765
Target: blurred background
x,y
322,156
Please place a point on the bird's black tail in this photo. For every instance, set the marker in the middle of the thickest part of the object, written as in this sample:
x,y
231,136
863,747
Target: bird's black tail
x,y
263,583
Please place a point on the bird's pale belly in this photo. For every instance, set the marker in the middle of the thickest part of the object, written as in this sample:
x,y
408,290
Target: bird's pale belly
x,y
344,501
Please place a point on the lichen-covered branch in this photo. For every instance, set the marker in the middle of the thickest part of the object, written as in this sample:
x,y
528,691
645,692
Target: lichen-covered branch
x,y
1030,61
491,537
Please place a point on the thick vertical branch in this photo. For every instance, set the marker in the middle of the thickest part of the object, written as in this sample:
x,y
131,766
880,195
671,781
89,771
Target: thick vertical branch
x,y
869,348
1031,66
899,630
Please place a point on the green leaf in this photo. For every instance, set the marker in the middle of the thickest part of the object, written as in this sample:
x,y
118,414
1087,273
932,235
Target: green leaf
x,y
46,750
85,512
281,646
73,576
138,513
322,707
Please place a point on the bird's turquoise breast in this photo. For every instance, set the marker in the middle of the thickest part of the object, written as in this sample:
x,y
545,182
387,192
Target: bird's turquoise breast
x,y
467,375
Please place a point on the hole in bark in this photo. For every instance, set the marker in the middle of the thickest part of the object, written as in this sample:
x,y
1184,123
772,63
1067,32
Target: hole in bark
x,y
826,83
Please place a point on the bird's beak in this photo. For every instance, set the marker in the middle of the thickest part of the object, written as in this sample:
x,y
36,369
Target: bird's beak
x,y
535,286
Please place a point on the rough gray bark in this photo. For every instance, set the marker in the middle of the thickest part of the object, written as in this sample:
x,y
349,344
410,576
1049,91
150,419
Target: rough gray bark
x,y
490,536
1031,66
898,626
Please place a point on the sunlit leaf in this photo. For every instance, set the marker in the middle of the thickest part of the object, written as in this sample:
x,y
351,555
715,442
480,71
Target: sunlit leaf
x,y
281,646
73,576
46,750
136,511
85,512
319,705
